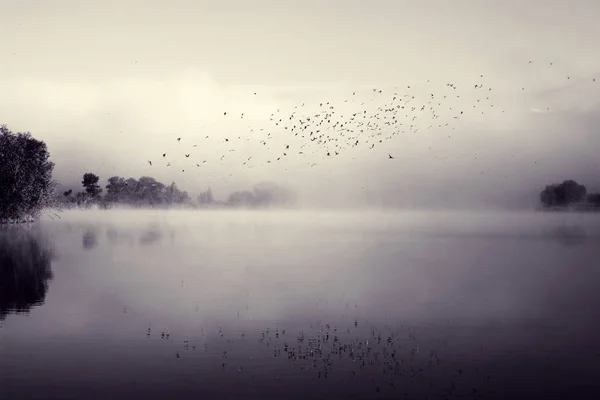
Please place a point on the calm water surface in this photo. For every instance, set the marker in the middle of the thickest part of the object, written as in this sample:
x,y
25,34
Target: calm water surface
x,y
236,304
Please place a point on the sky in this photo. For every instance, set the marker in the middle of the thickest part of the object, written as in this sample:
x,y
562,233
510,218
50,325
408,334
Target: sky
x,y
111,85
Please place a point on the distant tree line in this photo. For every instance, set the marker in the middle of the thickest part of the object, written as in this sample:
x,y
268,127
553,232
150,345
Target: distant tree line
x,y
569,194
262,195
147,191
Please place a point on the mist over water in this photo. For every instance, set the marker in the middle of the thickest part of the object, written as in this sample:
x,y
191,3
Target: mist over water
x,y
273,304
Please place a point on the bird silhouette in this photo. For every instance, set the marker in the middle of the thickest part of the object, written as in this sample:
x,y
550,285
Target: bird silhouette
x,y
164,154
150,162
390,157
187,155
179,139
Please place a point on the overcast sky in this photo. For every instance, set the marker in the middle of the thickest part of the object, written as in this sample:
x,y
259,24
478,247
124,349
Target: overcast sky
x,y
109,85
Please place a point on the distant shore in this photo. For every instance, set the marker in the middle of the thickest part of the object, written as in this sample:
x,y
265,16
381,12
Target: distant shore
x,y
584,207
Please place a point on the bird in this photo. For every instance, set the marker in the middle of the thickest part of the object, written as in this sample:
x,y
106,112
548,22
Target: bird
x,y
225,113
164,154
179,139
390,157
150,162
187,155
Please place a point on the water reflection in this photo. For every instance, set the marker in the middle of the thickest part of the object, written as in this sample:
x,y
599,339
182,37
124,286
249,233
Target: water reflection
x,y
152,235
25,269
113,236
568,235
281,306
90,239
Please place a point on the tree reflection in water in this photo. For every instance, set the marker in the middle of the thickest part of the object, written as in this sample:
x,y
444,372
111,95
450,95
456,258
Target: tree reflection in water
x,y
90,239
25,269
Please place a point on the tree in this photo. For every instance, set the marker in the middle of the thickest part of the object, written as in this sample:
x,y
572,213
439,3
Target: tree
x,y
145,191
264,194
270,193
547,196
176,196
26,184
151,191
206,197
90,183
82,199
563,194
594,198
115,189
242,198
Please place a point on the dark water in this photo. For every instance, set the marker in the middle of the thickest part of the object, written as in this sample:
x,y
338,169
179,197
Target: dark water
x,y
179,304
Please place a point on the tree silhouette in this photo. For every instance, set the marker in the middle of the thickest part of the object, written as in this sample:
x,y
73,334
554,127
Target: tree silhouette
x,y
594,199
26,184
262,195
206,197
25,270
115,189
563,194
145,191
90,183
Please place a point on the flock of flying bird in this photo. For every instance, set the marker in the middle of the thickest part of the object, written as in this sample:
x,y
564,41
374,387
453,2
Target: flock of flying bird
x,y
327,129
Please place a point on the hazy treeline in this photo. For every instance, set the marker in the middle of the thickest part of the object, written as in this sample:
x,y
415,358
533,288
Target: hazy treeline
x,y
148,192
569,194
145,191
27,187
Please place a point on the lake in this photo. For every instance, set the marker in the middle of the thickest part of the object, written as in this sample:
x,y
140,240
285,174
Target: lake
x,y
280,304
